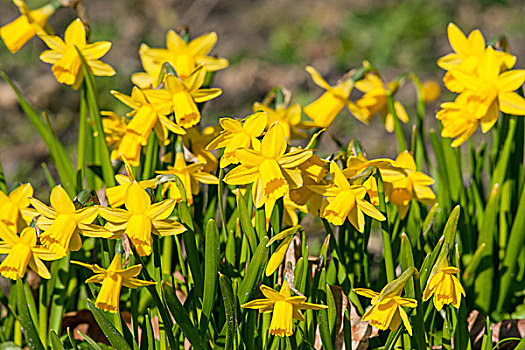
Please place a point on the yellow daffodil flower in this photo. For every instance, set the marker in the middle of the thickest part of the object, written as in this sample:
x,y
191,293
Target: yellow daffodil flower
x,y
18,32
186,93
414,184
141,218
114,130
345,201
117,193
238,134
468,52
190,175
196,141
374,101
357,164
14,211
112,279
387,309
290,216
269,168
182,56
288,117
313,172
458,121
21,252
430,90
445,287
150,110
63,223
489,91
284,307
324,110
67,66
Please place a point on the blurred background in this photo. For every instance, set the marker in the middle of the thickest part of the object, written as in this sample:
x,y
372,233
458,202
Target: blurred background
x,y
267,42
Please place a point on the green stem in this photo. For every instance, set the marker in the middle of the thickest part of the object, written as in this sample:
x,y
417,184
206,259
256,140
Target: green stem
x,y
3,183
401,142
164,315
419,327
387,244
150,159
503,160
42,311
221,204
82,139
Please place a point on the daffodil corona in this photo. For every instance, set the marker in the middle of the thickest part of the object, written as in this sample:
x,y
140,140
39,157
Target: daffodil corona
x,y
445,287
284,307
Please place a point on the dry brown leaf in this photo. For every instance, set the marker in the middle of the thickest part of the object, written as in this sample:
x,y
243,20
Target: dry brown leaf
x,y
501,330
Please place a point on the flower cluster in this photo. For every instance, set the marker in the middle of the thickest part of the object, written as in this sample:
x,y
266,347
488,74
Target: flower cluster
x,y
485,81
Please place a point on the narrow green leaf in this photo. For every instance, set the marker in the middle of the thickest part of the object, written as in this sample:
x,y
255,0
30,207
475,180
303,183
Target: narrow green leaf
x,y
513,249
90,341
485,271
230,310
182,318
212,252
57,151
450,227
56,344
3,184
94,112
28,327
468,274
147,340
246,222
115,338
428,263
322,315
406,260
254,272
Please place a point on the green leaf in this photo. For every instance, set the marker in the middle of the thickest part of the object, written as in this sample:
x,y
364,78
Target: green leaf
x,y
485,270
57,151
28,327
512,252
112,334
181,317
322,315
406,260
90,341
254,272
246,222
3,184
56,344
428,263
450,227
230,311
94,112
211,256
147,340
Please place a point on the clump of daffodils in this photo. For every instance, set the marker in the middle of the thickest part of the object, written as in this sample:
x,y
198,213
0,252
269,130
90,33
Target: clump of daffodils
x,y
485,82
